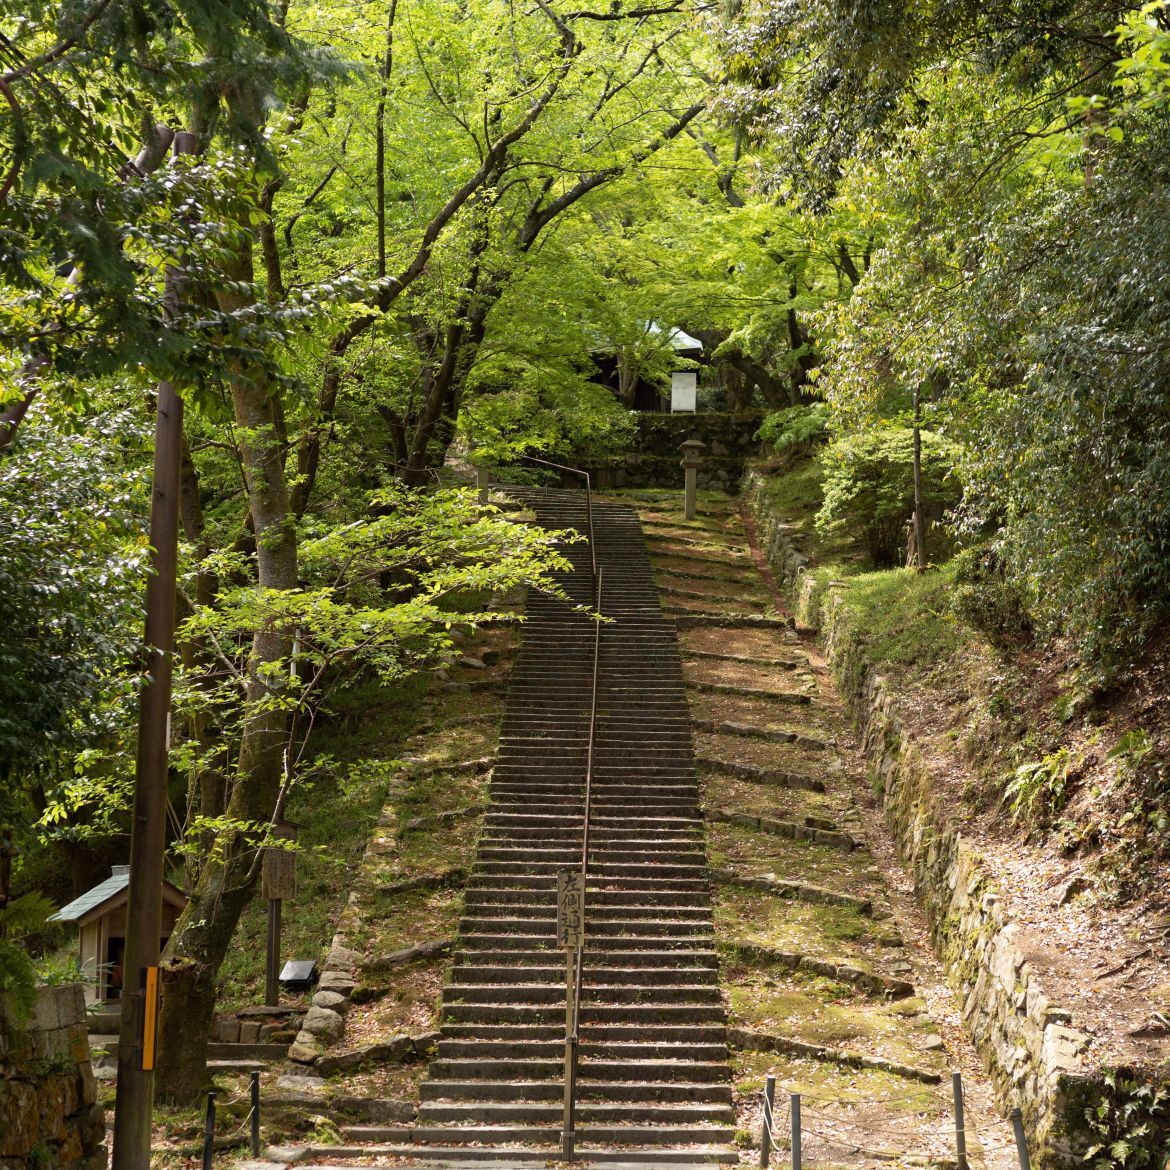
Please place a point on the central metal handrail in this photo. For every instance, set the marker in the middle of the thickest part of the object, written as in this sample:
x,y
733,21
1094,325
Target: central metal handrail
x,y
588,498
576,973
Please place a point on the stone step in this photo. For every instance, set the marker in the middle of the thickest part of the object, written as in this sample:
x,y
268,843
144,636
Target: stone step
x,y
650,884
592,1032
649,1111
594,1132
593,976
599,870
600,1157
515,1088
493,908
632,1060
596,928
536,1013
647,958
594,994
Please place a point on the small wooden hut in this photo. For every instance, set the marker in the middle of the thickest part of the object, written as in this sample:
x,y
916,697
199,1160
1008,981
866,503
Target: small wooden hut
x,y
100,915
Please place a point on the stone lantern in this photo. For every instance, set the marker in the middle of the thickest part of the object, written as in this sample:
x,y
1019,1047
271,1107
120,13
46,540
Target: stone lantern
x,y
692,460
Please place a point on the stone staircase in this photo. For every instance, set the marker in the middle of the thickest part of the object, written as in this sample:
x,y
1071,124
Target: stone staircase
x,y
653,1076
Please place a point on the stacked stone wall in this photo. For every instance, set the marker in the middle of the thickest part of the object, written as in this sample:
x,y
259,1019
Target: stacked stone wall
x,y
653,462
49,1118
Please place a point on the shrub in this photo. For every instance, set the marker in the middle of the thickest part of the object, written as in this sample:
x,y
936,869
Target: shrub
x,y
794,428
869,487
986,600
1038,791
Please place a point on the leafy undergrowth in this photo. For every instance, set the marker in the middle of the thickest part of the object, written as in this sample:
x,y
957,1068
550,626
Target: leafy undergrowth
x,y
335,807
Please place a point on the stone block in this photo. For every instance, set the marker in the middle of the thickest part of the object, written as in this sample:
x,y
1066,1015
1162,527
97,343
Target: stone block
x,y
341,958
1062,1048
87,1083
333,1000
45,1017
287,1155
18,1107
341,982
249,1031
423,1042
324,1024
300,1089
304,1050
225,1030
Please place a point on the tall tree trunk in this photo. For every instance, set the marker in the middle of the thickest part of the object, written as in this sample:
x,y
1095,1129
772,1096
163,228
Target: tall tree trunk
x,y
204,932
207,793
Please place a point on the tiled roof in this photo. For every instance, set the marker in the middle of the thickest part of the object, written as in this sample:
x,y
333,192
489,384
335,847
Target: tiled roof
x,y
92,899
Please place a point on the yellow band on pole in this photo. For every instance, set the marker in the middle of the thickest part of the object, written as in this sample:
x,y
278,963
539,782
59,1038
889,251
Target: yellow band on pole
x,y
149,1017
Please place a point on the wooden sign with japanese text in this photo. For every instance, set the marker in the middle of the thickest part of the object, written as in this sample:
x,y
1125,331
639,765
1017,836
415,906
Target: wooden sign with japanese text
x,y
570,909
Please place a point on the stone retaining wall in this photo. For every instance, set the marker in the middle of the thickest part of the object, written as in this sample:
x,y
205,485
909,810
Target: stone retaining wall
x,y
49,1118
1030,1047
654,460
778,539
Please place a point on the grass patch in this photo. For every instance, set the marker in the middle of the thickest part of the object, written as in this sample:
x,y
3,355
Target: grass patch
x,y
754,854
905,618
783,924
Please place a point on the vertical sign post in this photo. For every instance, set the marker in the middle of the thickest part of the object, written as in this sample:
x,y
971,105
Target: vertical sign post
x,y
279,879
571,936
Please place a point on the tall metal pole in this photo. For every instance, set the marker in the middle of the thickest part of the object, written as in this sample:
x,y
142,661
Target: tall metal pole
x,y
134,1103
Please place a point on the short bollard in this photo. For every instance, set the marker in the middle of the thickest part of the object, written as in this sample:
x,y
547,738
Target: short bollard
x,y
1021,1140
795,1131
254,1116
769,1119
209,1130
960,1127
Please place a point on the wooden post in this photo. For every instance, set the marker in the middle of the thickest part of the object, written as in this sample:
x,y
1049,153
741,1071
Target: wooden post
x,y
279,881
960,1129
769,1117
1021,1140
272,957
483,482
134,1101
795,1131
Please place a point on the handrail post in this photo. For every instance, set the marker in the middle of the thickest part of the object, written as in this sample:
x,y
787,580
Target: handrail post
x,y
589,521
588,498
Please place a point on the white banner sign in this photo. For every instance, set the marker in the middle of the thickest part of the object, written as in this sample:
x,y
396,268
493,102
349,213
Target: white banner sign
x,y
683,386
